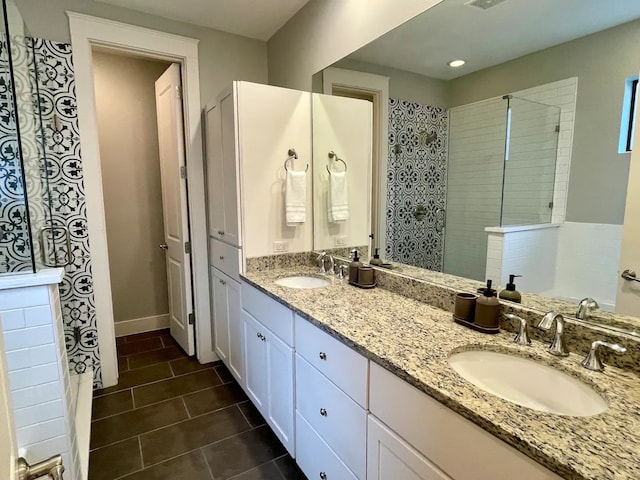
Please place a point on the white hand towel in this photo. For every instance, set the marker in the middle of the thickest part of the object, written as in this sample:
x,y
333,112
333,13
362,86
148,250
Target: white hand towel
x,y
296,197
338,197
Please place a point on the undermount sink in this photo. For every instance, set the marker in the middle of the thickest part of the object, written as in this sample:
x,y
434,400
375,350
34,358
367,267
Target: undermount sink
x,y
528,383
302,282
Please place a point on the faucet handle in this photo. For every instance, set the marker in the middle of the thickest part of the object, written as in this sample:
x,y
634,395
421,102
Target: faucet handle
x,y
593,361
341,271
522,338
585,306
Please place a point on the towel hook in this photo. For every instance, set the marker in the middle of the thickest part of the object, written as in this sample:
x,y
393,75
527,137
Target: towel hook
x,y
293,155
333,155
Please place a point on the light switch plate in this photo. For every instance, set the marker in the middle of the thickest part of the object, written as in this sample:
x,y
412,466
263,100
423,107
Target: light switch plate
x,y
340,241
280,246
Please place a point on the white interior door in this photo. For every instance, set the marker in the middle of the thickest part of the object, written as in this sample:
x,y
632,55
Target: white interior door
x,y
8,446
628,294
174,205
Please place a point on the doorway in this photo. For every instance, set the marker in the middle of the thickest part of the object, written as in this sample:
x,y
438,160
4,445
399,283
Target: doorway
x,y
141,135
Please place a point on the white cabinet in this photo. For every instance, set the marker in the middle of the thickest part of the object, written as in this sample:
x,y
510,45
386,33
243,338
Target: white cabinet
x,y
389,457
269,368
227,323
222,169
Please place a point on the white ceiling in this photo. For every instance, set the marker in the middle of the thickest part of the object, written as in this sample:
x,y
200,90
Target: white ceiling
x,y
250,18
511,29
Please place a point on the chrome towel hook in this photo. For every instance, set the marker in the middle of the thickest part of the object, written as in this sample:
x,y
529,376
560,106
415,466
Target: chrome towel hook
x,y
332,155
293,155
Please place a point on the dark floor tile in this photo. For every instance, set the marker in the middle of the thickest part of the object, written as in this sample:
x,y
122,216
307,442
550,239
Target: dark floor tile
x,y
289,468
188,365
191,466
242,452
111,404
224,374
120,340
173,387
144,335
135,422
252,414
145,345
214,398
168,341
123,364
155,356
115,460
191,434
268,471
139,376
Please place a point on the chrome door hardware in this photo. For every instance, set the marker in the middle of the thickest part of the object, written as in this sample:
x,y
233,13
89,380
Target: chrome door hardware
x,y
51,467
323,356
164,246
630,275
592,361
48,246
323,476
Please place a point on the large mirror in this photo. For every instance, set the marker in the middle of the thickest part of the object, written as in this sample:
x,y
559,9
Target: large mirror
x,y
516,161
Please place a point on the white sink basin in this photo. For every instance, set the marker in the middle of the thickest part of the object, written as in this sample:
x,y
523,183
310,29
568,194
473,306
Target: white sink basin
x,y
302,282
528,383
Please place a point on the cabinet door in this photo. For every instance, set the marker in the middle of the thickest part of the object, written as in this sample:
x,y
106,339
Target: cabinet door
x,y
255,348
280,377
236,336
220,315
391,458
229,171
215,181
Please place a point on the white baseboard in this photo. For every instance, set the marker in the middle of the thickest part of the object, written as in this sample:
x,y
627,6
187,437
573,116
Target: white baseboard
x,y
139,325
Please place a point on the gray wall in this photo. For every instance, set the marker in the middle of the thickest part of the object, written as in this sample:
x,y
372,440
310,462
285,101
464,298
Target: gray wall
x,y
127,129
602,62
223,57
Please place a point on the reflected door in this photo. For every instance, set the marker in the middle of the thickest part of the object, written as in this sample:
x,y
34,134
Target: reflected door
x,y
416,184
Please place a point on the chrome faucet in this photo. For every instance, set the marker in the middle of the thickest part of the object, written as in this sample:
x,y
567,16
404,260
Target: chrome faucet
x,y
558,346
522,338
593,361
321,263
585,307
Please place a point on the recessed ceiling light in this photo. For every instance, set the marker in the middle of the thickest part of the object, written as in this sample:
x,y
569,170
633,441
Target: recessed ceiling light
x,y
456,63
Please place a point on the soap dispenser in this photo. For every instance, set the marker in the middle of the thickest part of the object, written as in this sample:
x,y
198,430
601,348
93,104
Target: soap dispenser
x,y
375,261
510,293
354,266
488,308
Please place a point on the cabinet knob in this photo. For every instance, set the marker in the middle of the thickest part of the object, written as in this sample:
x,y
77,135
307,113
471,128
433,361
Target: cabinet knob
x,y
323,476
220,232
261,336
223,282
221,257
323,412
323,356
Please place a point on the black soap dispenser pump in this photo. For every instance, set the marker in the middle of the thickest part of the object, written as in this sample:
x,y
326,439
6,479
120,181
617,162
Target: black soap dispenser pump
x,y
376,258
354,266
510,293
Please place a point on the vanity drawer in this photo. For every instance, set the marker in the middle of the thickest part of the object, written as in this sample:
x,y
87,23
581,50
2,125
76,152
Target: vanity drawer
x,y
343,366
340,421
273,315
225,258
314,456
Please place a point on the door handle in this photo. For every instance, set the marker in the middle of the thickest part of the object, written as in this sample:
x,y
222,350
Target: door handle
x,y
164,246
630,275
52,467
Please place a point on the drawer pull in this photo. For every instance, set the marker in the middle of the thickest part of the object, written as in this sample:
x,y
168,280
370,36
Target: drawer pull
x,y
220,232
223,282
261,336
221,257
323,356
323,412
323,476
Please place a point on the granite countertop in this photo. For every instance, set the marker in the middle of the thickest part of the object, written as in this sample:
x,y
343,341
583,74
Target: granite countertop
x,y
413,340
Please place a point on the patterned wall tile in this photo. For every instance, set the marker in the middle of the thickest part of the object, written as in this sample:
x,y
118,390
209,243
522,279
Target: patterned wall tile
x,y
416,184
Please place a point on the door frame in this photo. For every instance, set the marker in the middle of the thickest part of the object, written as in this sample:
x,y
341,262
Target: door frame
x,y
87,32
377,86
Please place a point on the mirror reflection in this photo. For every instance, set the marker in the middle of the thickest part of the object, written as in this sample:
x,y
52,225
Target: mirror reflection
x,y
517,160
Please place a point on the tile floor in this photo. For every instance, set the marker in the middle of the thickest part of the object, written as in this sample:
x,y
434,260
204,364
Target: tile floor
x,y
170,418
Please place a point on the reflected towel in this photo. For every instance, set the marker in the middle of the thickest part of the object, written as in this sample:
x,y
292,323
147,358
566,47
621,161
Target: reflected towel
x,y
296,197
338,197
